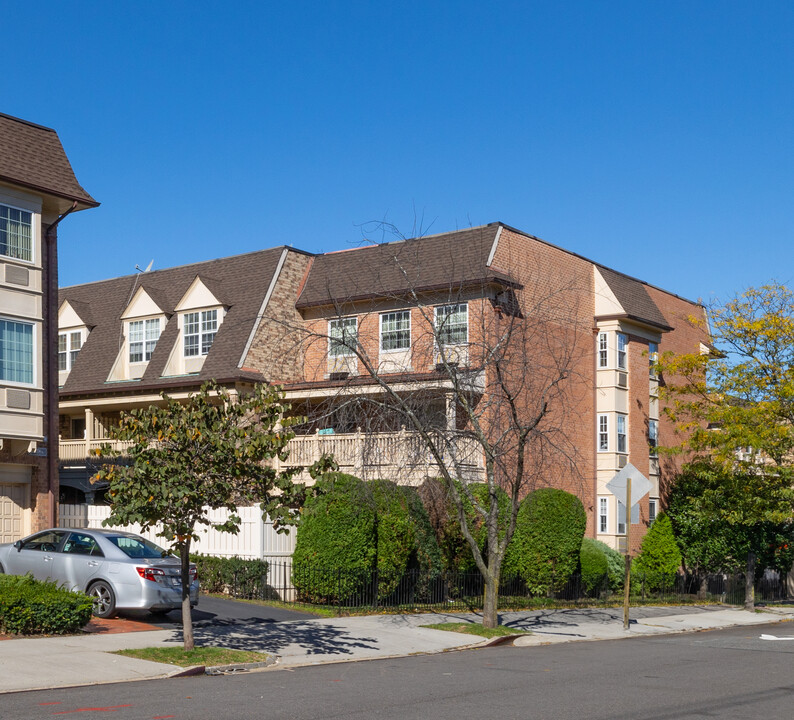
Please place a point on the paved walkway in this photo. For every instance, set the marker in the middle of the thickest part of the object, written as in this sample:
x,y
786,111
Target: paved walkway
x,y
37,663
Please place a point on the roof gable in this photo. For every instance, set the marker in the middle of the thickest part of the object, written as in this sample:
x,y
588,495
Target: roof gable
x,y
198,295
141,305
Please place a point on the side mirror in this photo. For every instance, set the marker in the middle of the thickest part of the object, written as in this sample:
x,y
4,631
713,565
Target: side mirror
x,y
18,545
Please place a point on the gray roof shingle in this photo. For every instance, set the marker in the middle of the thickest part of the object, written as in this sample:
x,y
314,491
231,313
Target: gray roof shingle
x,y
449,260
634,298
32,156
242,281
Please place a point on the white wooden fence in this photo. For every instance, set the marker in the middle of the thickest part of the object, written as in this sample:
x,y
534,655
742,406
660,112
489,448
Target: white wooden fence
x,y
256,539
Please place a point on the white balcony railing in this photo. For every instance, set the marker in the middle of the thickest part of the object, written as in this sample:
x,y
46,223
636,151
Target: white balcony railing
x,y
400,456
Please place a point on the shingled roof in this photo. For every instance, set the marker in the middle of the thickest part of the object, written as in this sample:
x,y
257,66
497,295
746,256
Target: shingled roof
x,y
32,156
435,262
634,298
239,282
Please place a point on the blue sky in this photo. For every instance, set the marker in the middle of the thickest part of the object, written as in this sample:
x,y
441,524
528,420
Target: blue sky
x,y
655,138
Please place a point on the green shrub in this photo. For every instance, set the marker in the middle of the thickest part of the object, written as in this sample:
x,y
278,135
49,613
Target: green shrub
x,y
545,547
32,607
599,562
659,559
350,528
235,576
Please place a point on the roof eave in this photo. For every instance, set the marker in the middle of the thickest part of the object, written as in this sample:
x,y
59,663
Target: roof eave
x,y
86,200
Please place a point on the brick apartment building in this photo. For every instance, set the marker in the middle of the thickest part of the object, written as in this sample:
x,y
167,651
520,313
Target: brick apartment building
x,y
37,190
289,317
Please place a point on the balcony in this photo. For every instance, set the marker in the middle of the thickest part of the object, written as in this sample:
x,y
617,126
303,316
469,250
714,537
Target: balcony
x,y
398,456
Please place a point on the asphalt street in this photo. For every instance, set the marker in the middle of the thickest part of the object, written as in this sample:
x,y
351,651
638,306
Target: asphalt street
x,y
727,674
223,611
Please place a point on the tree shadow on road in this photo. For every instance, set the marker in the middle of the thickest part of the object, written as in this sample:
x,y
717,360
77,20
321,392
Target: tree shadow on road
x,y
271,637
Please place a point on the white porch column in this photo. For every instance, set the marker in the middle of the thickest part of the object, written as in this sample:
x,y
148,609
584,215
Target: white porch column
x,y
89,430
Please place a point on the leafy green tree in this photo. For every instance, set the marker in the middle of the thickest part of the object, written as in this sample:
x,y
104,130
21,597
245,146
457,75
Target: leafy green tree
x,y
659,559
719,530
207,452
734,408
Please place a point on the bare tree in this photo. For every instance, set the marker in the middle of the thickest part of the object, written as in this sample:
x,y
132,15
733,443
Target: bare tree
x,y
468,374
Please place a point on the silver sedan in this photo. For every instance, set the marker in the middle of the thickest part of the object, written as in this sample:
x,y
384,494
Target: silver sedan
x,y
119,570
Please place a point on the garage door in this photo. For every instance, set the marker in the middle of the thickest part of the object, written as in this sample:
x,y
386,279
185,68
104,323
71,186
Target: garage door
x,y
13,499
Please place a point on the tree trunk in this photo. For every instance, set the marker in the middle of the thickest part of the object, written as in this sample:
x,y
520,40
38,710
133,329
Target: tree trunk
x,y
749,583
704,587
490,614
187,616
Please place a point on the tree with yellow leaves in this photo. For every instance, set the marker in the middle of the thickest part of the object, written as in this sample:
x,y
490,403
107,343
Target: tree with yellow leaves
x,y
734,408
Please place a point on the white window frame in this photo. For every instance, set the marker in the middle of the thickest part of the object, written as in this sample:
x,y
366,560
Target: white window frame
x,y
622,433
653,358
622,351
653,437
603,350
33,238
602,431
206,330
653,505
336,342
33,355
145,341
69,352
391,316
443,327
603,515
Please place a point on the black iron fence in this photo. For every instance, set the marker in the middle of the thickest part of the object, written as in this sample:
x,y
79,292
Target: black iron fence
x,y
416,590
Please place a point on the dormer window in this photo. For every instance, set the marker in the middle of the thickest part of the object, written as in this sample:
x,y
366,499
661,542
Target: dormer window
x,y
143,336
199,331
16,233
69,344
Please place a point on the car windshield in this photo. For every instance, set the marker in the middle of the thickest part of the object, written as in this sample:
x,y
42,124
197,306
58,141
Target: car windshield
x,y
137,547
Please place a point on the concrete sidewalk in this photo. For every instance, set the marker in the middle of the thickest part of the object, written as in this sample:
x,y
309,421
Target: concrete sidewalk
x,y
38,663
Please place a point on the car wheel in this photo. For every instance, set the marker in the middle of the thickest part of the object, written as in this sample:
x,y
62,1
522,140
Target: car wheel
x,y
104,599
2,570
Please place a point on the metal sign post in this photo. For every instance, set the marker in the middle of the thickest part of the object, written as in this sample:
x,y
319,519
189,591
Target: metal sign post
x,y
629,486
627,576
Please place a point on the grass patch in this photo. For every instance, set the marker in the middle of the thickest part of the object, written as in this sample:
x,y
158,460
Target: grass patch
x,y
476,629
197,656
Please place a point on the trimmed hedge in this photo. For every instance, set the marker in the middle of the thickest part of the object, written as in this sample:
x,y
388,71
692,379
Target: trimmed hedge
x,y
33,607
235,576
598,563
659,559
544,549
350,528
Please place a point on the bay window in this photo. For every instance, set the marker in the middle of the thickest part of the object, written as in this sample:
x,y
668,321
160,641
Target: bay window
x,y
16,351
16,233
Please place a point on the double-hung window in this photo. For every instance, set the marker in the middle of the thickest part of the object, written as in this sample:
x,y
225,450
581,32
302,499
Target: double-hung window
x,y
143,337
199,330
342,337
69,345
603,433
603,355
653,435
623,342
395,330
621,518
603,514
16,233
621,433
16,351
452,324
